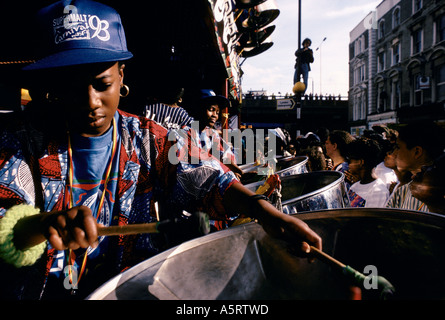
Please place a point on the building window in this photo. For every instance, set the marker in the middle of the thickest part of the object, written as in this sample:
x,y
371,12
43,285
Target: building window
x,y
356,109
381,29
382,99
395,94
359,111
359,74
417,42
440,29
395,54
417,5
418,92
396,17
440,83
363,108
381,61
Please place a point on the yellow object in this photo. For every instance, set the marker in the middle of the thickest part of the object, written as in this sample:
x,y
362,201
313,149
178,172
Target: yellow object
x,y
299,87
8,252
25,95
241,221
263,189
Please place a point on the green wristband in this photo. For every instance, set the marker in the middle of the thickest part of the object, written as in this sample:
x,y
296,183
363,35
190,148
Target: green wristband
x,y
8,252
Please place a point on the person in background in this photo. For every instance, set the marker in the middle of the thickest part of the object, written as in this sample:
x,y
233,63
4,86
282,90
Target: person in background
x,y
291,151
168,112
304,57
428,185
316,158
208,114
403,177
382,170
418,145
336,149
369,191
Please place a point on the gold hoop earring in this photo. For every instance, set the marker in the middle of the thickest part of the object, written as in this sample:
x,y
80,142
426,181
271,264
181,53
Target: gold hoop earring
x,y
127,91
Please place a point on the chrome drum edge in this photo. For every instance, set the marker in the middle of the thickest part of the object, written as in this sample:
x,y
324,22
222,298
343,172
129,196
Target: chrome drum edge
x,y
284,167
311,191
244,263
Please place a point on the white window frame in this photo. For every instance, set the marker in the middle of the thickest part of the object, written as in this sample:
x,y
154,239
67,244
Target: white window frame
x,y
382,30
416,91
398,11
421,41
359,108
393,61
381,66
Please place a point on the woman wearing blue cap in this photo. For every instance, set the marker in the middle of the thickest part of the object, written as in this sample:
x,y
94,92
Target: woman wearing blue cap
x,y
210,106
76,162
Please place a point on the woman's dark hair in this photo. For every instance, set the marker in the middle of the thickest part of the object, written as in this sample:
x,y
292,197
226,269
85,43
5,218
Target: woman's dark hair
x,y
342,139
367,149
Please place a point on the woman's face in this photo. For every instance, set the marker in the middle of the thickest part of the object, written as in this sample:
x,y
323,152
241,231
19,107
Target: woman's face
x,y
212,115
329,147
89,96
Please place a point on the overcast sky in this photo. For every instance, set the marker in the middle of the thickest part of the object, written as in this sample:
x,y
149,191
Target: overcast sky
x,y
273,70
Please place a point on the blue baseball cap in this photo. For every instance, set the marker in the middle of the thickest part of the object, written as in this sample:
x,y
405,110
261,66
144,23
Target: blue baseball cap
x,y
78,32
209,96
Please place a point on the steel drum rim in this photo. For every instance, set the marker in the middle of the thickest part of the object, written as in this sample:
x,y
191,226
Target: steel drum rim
x,y
341,178
305,159
430,218
330,186
299,164
244,166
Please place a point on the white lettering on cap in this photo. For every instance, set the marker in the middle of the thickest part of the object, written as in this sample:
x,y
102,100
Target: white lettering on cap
x,y
75,26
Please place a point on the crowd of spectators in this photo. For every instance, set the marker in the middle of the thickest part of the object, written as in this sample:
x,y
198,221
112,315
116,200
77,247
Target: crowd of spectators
x,y
399,168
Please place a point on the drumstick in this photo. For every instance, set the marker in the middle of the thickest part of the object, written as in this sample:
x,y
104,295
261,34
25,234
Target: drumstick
x,y
198,221
128,229
387,289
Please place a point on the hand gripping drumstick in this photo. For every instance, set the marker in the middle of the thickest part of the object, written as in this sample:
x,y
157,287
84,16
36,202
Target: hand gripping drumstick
x,y
386,288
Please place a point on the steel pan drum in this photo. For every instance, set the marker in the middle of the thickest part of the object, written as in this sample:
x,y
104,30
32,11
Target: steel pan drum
x,y
311,191
249,166
284,167
406,247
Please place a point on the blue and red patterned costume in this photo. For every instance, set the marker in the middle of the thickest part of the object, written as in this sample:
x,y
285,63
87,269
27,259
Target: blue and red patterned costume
x,y
144,174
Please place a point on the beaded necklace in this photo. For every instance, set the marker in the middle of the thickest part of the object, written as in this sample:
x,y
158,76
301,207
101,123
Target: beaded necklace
x,y
70,258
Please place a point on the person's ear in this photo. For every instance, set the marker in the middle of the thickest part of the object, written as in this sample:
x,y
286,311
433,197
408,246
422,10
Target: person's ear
x,y
121,74
418,152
